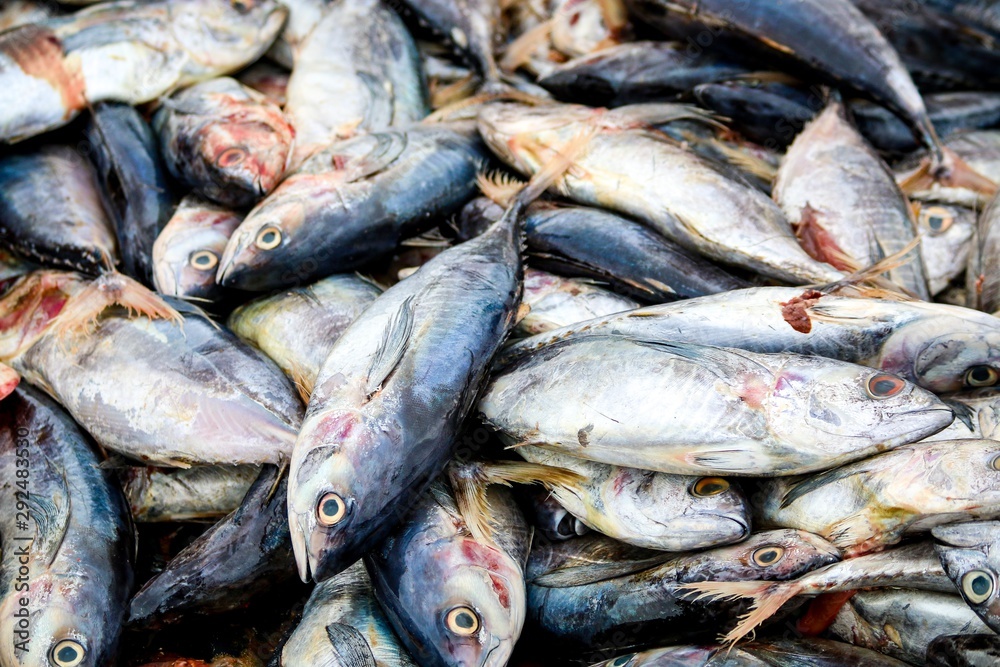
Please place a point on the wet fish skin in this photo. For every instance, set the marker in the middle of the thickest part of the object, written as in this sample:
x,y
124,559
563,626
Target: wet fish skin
x,y
247,552
770,113
134,183
431,566
368,418
804,652
964,651
556,301
350,204
913,488
187,250
655,181
339,612
226,142
192,494
911,339
843,200
298,327
590,606
470,26
80,562
51,210
970,554
765,408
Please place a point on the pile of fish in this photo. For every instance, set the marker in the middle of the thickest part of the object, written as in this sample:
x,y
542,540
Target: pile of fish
x,y
483,332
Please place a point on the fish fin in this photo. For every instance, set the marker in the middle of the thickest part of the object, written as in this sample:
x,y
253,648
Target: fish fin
x,y
283,467
593,573
389,146
500,186
391,348
303,381
948,170
445,113
963,413
767,596
520,51
83,310
820,244
869,281
349,646
820,480
659,113
707,356
752,165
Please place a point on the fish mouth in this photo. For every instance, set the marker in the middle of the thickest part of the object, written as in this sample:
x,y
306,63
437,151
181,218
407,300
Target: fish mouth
x,y
303,559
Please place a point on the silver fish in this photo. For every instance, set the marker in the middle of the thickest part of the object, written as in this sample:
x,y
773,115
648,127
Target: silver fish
x,y
194,494
970,554
556,302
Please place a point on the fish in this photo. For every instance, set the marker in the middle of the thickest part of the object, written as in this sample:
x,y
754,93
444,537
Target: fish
x,y
298,327
656,181
902,623
357,71
51,210
691,409
187,250
244,554
224,141
970,554
342,623
963,651
65,523
454,599
555,301
133,181
578,241
940,347
599,599
350,204
802,652
843,201
552,519
193,494
871,504
221,401
125,51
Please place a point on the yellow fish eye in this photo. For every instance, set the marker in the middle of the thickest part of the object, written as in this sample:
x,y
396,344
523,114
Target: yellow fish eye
x,y
268,238
709,486
767,556
331,509
977,586
463,621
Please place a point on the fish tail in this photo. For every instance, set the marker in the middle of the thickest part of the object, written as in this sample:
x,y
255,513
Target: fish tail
x,y
83,309
767,597
945,167
499,186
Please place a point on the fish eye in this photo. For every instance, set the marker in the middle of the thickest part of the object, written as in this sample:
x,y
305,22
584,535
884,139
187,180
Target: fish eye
x,y
884,385
268,238
331,509
565,527
981,376
67,653
242,6
767,556
995,463
709,486
230,157
938,219
977,586
622,660
203,260
462,621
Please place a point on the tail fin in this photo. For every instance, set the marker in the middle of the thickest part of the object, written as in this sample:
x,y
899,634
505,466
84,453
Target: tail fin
x,y
83,309
767,596
948,170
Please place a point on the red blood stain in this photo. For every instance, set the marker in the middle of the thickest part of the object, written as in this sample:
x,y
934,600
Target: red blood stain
x,y
822,612
794,311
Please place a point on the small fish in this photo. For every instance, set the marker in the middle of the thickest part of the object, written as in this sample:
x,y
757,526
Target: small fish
x,y
194,494
51,210
76,543
691,409
187,251
970,554
555,302
226,142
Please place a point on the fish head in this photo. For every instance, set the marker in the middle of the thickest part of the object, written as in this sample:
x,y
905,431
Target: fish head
x,y
186,258
225,35
945,234
473,614
970,555
846,405
771,555
956,354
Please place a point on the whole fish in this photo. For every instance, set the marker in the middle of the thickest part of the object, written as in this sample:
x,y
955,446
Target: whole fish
x,y
133,183
970,554
298,327
67,541
51,210
593,243
226,142
194,494
552,519
342,624
452,598
647,509
358,71
555,302
246,553
595,597
393,392
946,232
870,504
771,653
350,204
125,51
218,399
656,181
186,252
964,651
696,410
911,339
902,623
844,203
